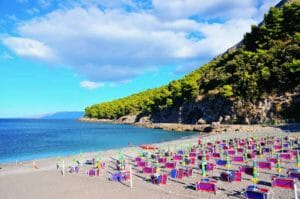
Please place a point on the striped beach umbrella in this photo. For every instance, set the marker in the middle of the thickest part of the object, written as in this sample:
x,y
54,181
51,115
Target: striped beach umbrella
x,y
245,155
228,163
278,166
203,164
255,172
298,159
272,149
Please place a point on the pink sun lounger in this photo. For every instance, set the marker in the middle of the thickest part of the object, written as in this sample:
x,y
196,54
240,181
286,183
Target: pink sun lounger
x,y
264,165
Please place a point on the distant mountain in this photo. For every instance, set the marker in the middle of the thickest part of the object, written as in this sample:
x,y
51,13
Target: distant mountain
x,y
64,115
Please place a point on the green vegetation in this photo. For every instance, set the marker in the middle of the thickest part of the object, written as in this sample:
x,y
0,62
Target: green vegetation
x,y
267,62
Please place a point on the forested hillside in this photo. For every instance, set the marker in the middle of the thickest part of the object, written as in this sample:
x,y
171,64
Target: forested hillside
x,y
265,65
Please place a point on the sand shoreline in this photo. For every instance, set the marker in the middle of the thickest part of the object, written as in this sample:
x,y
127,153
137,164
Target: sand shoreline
x,y
47,181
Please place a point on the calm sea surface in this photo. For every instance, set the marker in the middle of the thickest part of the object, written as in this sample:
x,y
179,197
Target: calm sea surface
x,y
27,139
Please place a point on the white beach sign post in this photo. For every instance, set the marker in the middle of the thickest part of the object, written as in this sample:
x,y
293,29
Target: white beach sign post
x,y
130,176
63,168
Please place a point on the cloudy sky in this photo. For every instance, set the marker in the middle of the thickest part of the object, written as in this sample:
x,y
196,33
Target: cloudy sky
x,y
65,55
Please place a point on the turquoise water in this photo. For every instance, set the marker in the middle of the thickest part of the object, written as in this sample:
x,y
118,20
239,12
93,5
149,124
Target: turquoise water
x,y
27,139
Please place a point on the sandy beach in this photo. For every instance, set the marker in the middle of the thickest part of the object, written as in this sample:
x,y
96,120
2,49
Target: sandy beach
x,y
21,180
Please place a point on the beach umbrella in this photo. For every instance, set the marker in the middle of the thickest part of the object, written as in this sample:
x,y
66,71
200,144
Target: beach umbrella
x,y
203,164
272,149
157,166
228,163
245,155
278,166
255,172
298,159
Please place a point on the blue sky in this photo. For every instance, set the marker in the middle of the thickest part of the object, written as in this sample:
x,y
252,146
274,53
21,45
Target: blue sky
x,y
66,55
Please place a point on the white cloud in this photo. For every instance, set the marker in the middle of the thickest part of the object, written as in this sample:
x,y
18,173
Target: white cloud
x,y
29,48
91,85
204,9
113,45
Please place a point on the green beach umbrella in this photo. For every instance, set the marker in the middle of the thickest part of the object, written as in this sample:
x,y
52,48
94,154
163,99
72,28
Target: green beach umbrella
x,y
203,164
272,149
278,166
255,172
245,156
298,159
228,163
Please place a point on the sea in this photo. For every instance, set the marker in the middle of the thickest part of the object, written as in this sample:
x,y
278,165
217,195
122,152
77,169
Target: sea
x,y
29,139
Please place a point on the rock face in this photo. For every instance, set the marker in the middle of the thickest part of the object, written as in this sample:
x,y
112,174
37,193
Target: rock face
x,y
211,112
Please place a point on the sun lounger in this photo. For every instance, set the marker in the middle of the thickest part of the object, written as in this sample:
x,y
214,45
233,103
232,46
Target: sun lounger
x,y
192,154
170,165
254,192
238,159
207,186
120,176
294,173
246,169
285,156
221,162
264,165
162,160
216,155
286,183
149,170
272,160
142,164
177,157
231,152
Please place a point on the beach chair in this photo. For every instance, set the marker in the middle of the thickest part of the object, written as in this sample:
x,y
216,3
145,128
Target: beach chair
x,y
251,155
120,176
272,160
282,182
294,173
142,164
285,156
170,165
231,152
180,173
177,157
221,162
210,167
207,186
240,150
226,176
115,177
277,147
138,159
246,169
216,155
264,165
239,159
149,170
162,160
254,192
180,152
92,172
173,173
163,179
192,161
237,176
192,154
